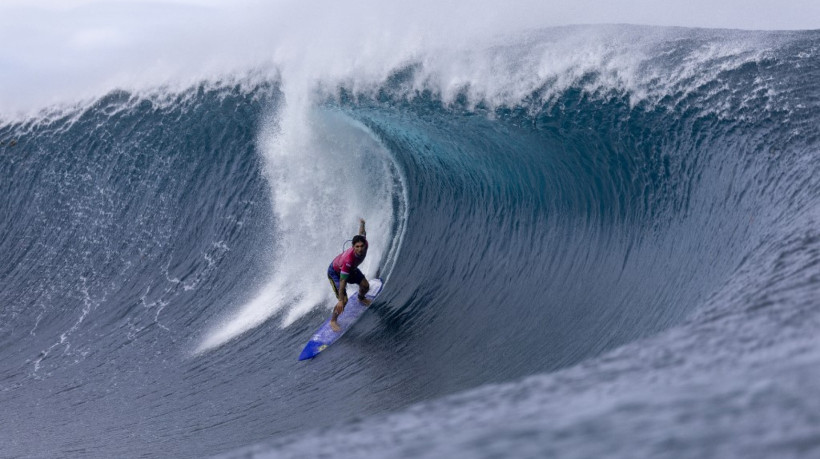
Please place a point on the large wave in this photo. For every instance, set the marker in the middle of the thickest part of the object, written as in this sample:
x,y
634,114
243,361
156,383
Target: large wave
x,y
610,209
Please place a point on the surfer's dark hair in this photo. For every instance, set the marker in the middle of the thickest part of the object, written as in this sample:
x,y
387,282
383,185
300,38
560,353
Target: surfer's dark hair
x,y
359,238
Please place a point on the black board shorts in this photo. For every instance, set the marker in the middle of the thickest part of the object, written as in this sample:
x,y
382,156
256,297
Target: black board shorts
x,y
354,277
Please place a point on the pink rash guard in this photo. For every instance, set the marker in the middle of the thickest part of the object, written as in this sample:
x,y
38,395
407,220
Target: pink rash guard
x,y
347,261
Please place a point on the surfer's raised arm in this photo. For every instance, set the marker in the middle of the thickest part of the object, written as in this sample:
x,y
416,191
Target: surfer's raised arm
x,y
362,232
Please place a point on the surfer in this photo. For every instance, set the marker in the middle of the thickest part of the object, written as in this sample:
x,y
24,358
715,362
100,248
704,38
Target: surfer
x,y
344,270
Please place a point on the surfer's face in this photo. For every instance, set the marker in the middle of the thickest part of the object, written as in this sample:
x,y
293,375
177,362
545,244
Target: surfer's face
x,y
359,249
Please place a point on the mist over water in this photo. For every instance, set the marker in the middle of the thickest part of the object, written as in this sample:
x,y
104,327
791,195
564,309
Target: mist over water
x,y
596,240
61,52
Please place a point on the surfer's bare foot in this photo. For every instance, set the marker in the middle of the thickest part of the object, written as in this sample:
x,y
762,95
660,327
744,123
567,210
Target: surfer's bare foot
x,y
335,326
365,301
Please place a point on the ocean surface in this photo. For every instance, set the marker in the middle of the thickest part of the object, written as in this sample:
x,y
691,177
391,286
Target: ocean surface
x,y
596,242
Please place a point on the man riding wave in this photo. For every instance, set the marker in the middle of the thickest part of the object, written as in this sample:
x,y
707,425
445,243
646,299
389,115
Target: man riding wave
x,y
344,270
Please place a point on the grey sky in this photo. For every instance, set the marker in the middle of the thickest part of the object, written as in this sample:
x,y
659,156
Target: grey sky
x,y
58,50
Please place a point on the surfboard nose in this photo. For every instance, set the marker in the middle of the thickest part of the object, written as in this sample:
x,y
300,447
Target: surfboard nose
x,y
311,349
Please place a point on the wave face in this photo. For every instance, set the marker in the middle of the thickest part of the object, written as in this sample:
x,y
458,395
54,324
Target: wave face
x,y
623,248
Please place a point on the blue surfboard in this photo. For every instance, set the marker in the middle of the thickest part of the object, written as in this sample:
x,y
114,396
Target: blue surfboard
x,y
325,336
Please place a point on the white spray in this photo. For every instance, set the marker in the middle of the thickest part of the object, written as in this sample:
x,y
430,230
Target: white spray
x,y
325,172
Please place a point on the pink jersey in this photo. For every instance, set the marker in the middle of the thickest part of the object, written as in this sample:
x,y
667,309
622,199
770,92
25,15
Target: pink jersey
x,y
347,261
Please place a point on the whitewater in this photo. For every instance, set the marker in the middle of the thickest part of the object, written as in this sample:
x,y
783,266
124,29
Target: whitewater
x,y
596,240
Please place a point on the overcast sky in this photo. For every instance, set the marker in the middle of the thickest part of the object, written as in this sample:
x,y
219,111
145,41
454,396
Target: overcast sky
x,y
51,50
746,14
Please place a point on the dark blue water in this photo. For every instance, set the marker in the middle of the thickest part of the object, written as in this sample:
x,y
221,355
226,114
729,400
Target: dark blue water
x,y
598,268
